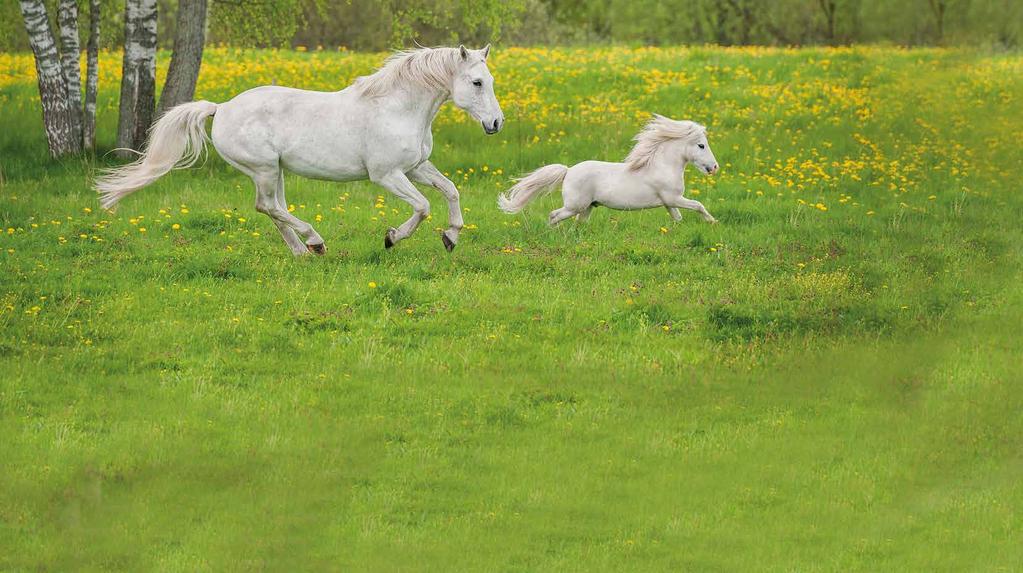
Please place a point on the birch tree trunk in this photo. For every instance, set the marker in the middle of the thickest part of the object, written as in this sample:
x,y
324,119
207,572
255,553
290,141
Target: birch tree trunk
x,y
91,77
53,93
187,57
70,61
138,75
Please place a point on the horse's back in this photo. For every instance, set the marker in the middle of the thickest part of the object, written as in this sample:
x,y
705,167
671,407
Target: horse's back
x,y
308,132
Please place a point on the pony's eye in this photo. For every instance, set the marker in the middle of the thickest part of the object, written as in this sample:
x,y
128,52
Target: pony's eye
x,y
701,146
477,83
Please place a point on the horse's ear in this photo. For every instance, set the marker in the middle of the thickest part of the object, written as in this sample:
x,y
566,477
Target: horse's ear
x,y
485,51
464,52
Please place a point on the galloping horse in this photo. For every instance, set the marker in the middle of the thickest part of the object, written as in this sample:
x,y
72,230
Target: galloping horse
x,y
378,128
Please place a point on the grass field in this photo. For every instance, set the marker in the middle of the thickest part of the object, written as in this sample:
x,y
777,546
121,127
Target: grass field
x,y
829,379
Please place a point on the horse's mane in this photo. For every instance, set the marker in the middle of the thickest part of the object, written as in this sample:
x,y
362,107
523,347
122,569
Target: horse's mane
x,y
426,67
658,131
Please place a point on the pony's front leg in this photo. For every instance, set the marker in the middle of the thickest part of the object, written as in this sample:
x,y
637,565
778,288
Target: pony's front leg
x,y
680,202
676,215
397,183
428,174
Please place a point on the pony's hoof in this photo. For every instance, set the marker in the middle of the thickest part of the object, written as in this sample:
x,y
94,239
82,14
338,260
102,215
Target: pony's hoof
x,y
317,249
389,238
448,243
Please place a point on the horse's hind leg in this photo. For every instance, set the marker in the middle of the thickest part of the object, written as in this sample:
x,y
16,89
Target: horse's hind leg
x,y
270,201
314,243
279,213
266,203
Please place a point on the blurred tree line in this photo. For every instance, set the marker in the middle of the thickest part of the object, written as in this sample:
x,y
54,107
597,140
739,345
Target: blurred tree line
x,y
384,24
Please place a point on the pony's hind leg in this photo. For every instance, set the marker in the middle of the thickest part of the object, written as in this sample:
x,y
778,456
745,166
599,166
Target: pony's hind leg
x,y
266,203
584,215
559,215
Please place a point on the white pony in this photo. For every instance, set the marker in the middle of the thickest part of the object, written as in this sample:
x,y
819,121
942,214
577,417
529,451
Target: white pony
x,y
651,176
379,128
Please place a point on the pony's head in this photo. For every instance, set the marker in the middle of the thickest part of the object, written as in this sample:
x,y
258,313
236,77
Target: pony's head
x,y
472,89
674,140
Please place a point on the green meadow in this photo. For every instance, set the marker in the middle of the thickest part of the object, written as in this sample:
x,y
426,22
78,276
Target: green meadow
x,y
826,380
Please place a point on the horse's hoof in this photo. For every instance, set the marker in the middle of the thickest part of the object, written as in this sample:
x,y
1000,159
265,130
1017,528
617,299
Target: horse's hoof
x,y
389,238
448,243
317,249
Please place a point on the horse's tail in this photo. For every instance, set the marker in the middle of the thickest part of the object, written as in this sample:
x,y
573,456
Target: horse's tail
x,y
177,140
527,188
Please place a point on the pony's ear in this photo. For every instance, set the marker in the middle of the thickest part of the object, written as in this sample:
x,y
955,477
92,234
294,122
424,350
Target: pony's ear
x,y
464,52
485,51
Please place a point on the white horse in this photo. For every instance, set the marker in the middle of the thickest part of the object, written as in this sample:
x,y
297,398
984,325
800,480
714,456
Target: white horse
x,y
379,128
651,176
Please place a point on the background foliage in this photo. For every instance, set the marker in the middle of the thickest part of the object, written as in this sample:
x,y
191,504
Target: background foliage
x,y
379,25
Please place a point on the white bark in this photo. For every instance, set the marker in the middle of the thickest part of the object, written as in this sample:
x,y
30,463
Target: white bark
x,y
53,93
70,61
91,77
138,80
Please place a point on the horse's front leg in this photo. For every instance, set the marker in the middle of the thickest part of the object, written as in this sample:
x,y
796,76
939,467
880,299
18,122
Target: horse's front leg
x,y
676,215
428,174
397,183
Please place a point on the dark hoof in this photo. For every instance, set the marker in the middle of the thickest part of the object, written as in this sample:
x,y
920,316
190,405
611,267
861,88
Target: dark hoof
x,y
318,249
388,239
448,243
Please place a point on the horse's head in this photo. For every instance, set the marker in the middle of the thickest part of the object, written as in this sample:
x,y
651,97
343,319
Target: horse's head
x,y
473,89
696,150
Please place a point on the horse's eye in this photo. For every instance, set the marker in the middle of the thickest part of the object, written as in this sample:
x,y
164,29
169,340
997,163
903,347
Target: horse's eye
x,y
477,83
701,146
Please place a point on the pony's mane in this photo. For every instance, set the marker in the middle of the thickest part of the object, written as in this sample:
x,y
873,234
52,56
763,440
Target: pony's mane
x,y
658,131
425,67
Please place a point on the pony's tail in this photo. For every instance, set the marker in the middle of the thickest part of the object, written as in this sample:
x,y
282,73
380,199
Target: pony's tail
x,y
527,188
177,140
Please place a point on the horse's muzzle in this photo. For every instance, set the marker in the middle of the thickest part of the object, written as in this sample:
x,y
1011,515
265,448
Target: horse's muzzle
x,y
492,128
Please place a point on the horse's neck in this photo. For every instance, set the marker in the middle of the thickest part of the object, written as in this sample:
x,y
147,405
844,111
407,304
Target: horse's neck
x,y
419,106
